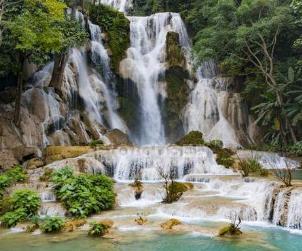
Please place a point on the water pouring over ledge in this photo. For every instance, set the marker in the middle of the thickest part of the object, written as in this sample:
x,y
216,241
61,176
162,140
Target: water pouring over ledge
x,y
145,65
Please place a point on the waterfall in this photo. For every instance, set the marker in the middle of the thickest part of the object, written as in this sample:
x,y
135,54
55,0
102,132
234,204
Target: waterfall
x,y
100,57
120,5
126,164
145,65
294,219
204,110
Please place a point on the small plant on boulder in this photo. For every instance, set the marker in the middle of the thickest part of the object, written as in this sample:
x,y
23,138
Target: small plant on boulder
x,y
193,138
52,225
233,228
21,206
98,229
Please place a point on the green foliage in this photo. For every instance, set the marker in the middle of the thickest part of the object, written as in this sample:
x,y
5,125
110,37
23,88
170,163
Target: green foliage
x,y
252,166
117,26
96,143
193,138
12,218
224,157
52,225
175,191
296,149
21,206
98,229
26,199
10,177
84,194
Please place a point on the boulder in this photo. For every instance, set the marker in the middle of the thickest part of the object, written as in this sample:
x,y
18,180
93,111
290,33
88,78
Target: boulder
x,y
72,225
117,137
7,159
34,163
168,225
140,220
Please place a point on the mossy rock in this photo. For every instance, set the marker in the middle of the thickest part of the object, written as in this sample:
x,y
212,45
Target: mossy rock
x,y
72,225
193,138
168,225
174,53
176,190
177,97
141,221
229,230
116,26
54,153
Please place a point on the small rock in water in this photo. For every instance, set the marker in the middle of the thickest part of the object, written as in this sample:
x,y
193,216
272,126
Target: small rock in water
x,y
249,180
168,225
140,220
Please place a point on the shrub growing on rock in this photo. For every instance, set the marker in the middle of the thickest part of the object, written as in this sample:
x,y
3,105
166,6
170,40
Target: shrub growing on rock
x,y
193,138
252,166
98,229
21,206
10,177
84,194
52,225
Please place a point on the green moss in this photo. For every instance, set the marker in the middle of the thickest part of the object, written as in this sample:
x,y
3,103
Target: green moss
x,y
174,53
117,27
176,77
193,138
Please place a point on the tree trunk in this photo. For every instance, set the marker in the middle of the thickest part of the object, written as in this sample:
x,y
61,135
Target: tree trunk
x,y
19,92
58,72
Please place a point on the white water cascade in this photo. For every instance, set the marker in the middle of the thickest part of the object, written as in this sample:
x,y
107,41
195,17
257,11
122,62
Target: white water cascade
x,y
120,5
144,65
148,163
100,57
204,110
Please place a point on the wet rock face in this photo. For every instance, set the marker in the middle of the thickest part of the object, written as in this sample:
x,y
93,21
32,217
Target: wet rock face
x,y
118,138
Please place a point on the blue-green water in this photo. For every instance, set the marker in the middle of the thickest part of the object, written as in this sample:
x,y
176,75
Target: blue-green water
x,y
255,239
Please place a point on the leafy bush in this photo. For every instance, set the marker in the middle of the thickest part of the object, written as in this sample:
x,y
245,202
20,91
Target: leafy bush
x,y
22,205
193,138
11,219
117,26
98,229
224,157
252,166
84,194
10,177
28,200
52,225
296,149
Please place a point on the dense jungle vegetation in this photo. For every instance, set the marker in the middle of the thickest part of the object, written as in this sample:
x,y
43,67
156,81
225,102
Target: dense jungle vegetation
x,y
256,42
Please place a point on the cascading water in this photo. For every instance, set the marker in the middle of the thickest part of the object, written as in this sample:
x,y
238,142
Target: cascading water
x,y
120,5
145,64
204,110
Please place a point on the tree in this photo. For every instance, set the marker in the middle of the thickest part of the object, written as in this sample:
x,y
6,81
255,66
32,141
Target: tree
x,y
37,30
35,33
